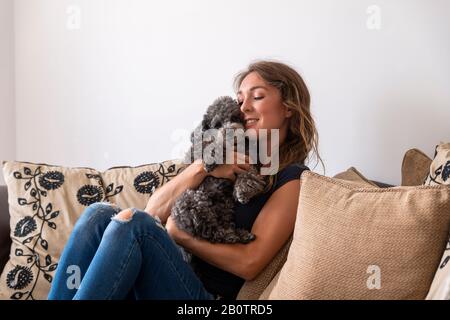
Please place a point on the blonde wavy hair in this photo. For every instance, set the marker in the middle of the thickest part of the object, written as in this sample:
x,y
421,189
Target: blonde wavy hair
x,y
302,136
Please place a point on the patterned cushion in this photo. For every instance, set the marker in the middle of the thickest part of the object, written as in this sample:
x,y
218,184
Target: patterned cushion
x,y
439,171
45,201
439,174
364,243
132,186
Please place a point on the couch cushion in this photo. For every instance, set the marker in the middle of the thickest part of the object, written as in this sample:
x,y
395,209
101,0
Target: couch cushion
x,y
364,243
45,202
415,167
132,186
439,174
352,175
254,289
439,170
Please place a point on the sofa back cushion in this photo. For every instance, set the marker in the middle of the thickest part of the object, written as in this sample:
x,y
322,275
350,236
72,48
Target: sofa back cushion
x,y
415,167
352,175
364,243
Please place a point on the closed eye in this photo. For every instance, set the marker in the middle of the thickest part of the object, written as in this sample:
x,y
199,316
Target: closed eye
x,y
256,98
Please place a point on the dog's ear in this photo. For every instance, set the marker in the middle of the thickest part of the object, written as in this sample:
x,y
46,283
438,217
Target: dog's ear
x,y
216,121
205,123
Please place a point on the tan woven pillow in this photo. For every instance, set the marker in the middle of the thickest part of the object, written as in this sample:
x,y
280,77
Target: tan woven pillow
x,y
254,289
63,193
351,175
415,167
440,174
364,243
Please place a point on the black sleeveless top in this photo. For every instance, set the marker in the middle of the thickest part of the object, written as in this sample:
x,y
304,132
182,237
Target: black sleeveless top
x,y
223,283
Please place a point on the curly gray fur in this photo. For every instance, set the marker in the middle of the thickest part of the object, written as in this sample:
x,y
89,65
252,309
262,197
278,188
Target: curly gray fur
x,y
207,212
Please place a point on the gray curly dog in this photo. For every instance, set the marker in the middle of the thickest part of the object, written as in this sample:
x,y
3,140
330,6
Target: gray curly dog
x,y
207,212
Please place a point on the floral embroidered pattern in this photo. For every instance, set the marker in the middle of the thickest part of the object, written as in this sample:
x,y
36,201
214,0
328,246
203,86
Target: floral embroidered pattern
x,y
21,276
148,181
89,194
443,171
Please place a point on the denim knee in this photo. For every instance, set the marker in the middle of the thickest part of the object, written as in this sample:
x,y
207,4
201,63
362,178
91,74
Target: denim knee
x,y
142,218
97,213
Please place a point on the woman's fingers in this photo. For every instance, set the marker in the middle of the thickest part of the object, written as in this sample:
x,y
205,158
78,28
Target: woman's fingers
x,y
242,159
238,169
244,167
232,176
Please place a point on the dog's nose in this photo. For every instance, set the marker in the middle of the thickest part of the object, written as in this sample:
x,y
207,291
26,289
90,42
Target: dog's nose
x,y
233,125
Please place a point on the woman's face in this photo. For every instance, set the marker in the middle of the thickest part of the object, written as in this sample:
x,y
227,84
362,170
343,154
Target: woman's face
x,y
261,106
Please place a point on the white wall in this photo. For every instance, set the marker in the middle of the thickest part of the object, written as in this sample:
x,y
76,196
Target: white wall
x,y
115,90
7,122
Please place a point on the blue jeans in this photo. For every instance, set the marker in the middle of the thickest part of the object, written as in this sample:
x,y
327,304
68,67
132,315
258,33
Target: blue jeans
x,y
119,259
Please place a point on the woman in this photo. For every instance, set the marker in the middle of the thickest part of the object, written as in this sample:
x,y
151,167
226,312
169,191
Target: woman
x,y
133,256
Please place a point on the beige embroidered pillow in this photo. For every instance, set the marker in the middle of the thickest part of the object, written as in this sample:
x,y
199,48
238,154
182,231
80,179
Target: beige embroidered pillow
x,y
415,167
364,243
44,203
132,186
439,173
439,170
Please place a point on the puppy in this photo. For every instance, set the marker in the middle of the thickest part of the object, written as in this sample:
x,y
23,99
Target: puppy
x,y
207,212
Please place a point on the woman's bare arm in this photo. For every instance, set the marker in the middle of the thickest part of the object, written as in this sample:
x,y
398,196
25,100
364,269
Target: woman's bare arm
x,y
273,226
162,200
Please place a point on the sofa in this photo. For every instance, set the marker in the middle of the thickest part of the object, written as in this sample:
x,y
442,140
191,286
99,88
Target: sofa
x,y
338,215
5,240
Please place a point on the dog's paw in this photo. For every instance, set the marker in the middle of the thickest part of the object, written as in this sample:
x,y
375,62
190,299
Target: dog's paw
x,y
209,167
245,236
247,187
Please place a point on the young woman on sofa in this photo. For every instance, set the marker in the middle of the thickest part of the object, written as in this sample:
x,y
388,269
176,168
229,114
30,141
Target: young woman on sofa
x,y
134,256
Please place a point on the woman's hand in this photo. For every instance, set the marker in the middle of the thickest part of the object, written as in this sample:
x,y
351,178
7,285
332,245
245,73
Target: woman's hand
x,y
177,235
229,171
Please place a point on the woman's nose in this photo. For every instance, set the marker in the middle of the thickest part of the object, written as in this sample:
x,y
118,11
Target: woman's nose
x,y
245,106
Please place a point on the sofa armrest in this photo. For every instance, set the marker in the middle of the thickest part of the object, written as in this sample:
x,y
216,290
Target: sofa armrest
x,y
5,240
